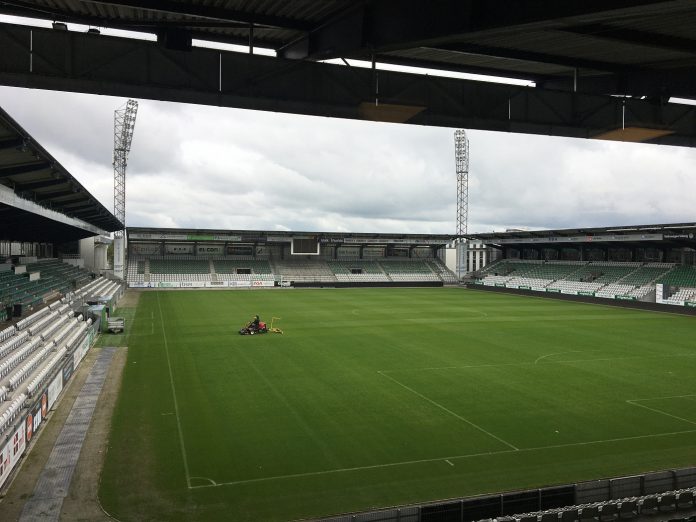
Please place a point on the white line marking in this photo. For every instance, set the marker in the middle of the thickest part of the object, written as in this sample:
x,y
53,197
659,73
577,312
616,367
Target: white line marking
x,y
658,398
536,361
465,367
450,411
176,404
448,462
634,403
438,459
212,482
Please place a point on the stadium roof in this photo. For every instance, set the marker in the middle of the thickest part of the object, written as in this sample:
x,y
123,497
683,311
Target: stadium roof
x,y
579,53
607,42
263,236
672,234
40,200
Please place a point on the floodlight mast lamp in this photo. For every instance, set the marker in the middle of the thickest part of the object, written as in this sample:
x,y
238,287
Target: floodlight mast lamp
x,y
461,158
124,124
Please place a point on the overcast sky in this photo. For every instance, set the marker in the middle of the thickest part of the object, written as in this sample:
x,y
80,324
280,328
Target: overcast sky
x,y
209,167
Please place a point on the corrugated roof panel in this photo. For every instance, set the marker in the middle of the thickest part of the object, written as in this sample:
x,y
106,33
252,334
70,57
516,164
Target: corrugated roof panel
x,y
477,60
570,45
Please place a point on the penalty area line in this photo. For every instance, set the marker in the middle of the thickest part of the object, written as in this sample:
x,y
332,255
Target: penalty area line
x,y
456,415
661,412
437,459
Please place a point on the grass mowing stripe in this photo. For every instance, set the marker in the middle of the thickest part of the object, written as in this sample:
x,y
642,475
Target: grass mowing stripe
x,y
176,403
436,459
443,408
386,446
282,399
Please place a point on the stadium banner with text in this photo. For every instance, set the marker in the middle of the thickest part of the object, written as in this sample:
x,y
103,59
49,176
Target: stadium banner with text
x,y
12,451
553,290
210,249
145,249
37,413
68,370
523,287
585,292
239,284
216,284
625,297
185,237
54,389
659,293
579,239
80,351
690,304
139,285
262,283
569,292
178,249
394,241
192,284
168,284
539,288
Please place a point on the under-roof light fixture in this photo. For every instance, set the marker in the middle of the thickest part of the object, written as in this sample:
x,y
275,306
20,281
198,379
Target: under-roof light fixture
x,y
60,26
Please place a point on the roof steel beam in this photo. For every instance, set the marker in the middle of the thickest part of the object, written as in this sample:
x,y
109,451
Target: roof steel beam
x,y
124,67
40,184
11,142
529,56
24,168
207,12
390,25
636,37
60,194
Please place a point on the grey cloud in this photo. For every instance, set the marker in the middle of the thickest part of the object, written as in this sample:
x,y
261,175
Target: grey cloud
x,y
206,167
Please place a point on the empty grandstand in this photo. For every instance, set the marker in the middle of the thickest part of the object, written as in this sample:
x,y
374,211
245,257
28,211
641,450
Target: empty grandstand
x,y
215,259
46,285
650,263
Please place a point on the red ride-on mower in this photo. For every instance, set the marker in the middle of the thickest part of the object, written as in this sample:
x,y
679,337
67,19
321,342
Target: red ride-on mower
x,y
252,329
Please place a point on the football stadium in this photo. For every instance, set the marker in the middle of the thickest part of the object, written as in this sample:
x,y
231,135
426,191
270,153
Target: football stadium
x,y
525,375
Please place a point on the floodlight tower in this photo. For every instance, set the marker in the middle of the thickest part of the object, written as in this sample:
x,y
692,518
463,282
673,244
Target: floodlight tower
x,y
124,124
461,158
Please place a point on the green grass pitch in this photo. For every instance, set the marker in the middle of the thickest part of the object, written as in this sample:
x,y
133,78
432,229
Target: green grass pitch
x,y
382,397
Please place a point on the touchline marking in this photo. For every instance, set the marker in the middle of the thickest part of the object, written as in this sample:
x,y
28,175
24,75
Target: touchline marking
x,y
176,403
635,403
438,459
450,412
